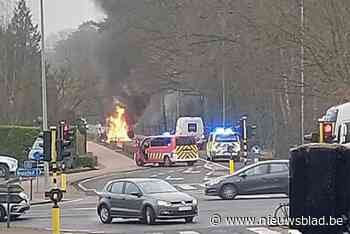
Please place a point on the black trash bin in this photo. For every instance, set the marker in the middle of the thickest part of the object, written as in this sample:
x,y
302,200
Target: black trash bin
x,y
319,188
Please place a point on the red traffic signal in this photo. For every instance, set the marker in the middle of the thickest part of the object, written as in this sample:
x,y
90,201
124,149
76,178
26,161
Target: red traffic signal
x,y
328,132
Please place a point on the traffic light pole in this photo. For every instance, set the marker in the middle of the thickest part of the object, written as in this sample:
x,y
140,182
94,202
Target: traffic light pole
x,y
321,133
55,212
244,138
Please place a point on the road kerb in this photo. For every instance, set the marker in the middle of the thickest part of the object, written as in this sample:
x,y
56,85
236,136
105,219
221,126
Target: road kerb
x,y
78,183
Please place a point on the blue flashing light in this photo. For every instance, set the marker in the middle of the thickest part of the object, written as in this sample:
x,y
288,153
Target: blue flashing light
x,y
219,130
224,131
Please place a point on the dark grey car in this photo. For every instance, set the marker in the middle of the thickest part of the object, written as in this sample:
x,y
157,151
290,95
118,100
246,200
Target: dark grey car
x,y
267,177
146,199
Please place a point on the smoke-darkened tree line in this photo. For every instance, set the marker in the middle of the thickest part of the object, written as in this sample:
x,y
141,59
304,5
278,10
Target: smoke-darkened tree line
x,y
146,49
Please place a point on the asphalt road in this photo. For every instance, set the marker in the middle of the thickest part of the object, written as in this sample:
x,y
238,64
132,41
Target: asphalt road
x,y
80,215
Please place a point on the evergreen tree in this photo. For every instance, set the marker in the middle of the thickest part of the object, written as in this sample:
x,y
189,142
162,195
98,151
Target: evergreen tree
x,y
23,49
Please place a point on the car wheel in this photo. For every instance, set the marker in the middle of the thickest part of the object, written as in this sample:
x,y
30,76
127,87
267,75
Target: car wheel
x,y
189,219
105,215
167,162
139,162
4,171
190,164
228,192
14,217
2,214
149,216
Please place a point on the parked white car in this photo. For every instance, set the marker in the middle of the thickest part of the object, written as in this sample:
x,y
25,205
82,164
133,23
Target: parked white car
x,y
8,165
19,204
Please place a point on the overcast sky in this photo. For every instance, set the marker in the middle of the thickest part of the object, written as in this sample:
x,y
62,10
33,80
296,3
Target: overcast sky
x,y
65,14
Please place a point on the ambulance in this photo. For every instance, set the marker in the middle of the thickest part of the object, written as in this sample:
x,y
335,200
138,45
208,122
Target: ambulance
x,y
166,150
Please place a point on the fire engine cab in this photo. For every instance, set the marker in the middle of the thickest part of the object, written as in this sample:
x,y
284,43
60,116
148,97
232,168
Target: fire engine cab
x,y
166,150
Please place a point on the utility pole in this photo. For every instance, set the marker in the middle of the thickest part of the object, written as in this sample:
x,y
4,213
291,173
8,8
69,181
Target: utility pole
x,y
223,70
43,69
302,70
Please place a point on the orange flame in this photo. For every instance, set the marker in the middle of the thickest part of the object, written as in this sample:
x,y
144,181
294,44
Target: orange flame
x,y
117,126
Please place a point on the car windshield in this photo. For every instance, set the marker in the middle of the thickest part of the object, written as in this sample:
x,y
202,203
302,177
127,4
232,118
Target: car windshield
x,y
150,187
331,115
226,138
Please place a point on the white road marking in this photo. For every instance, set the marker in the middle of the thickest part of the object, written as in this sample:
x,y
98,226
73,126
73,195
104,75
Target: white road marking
x,y
63,202
261,196
263,230
189,232
190,171
161,173
199,166
186,187
154,175
85,208
293,231
173,178
207,166
214,163
170,171
209,173
206,178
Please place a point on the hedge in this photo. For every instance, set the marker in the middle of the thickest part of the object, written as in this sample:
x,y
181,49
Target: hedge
x,y
15,139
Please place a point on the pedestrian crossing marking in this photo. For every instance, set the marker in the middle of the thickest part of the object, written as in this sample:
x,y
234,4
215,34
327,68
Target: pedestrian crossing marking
x,y
186,187
262,230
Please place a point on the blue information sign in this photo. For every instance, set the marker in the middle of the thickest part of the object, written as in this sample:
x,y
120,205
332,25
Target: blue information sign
x,y
38,156
24,172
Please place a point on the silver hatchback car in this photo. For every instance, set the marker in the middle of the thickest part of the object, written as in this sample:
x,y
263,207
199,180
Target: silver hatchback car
x,y
146,199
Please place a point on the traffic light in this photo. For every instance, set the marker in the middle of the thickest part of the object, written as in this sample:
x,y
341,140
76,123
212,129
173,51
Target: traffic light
x,y
251,131
65,141
328,132
47,146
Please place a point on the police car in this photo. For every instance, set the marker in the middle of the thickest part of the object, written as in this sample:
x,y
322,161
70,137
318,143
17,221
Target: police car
x,y
223,144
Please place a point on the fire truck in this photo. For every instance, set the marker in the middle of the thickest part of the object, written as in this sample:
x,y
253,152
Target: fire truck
x,y
166,150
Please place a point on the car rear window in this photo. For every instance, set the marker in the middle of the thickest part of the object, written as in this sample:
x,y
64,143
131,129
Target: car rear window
x,y
192,127
185,141
226,138
160,141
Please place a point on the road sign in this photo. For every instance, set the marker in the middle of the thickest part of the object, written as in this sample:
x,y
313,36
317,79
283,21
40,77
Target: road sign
x,y
24,172
38,156
29,164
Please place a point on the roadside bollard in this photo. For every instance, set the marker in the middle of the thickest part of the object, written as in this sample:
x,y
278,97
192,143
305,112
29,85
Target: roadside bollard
x,y
55,196
232,166
64,183
56,219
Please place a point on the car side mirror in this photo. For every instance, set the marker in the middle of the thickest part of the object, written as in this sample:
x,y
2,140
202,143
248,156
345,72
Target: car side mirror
x,y
136,194
243,175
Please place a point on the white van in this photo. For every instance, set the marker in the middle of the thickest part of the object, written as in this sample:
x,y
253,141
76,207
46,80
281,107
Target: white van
x,y
191,126
339,115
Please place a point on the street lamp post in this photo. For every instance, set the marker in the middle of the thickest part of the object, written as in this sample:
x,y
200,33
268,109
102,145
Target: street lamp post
x,y
223,18
302,70
43,69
